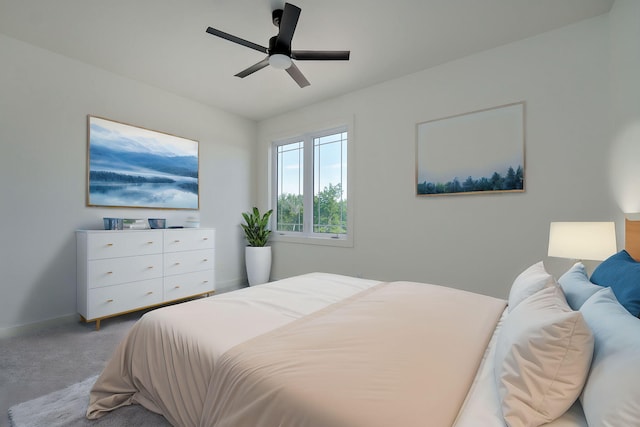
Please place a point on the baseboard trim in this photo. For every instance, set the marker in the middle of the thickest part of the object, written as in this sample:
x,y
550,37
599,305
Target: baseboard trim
x,y
230,285
14,331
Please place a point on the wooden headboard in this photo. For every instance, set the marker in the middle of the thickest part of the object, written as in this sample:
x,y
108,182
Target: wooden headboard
x,y
632,238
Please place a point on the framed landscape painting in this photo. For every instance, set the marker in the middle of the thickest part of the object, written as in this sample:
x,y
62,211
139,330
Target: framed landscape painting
x,y
472,153
130,166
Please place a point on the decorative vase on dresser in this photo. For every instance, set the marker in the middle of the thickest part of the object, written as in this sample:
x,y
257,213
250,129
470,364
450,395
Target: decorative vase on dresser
x,y
123,271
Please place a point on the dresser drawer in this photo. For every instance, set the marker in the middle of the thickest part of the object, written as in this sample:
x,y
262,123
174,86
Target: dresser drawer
x,y
117,299
188,261
188,239
108,272
114,244
184,285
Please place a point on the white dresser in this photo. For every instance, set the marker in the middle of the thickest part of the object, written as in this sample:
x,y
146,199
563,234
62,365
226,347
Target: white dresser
x,y
128,270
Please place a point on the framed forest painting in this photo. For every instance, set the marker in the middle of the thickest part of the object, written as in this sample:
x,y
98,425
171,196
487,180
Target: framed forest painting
x,y
472,153
129,166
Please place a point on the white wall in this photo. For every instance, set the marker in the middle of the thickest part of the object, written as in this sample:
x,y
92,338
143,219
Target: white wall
x,y
579,84
624,20
44,102
474,242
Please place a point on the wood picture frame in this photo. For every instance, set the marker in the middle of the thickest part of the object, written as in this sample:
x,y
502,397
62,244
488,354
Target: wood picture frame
x,y
134,167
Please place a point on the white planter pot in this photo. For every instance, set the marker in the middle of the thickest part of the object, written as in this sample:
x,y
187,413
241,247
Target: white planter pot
x,y
258,262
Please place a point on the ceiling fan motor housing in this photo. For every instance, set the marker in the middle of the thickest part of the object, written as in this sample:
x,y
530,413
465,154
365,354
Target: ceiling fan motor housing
x,y
274,48
276,16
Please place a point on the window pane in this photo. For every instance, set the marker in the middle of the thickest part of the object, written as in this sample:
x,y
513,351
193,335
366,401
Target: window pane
x,y
290,158
330,184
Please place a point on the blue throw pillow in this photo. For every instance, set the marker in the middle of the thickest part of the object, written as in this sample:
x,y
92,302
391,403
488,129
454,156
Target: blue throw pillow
x,y
576,286
621,273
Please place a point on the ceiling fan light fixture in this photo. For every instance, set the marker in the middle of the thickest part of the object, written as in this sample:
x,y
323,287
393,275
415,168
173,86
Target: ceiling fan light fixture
x,y
279,54
280,61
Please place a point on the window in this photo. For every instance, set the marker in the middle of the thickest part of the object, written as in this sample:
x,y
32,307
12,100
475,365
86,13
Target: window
x,y
310,186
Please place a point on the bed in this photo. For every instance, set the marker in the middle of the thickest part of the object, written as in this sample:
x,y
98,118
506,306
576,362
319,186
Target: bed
x,y
328,350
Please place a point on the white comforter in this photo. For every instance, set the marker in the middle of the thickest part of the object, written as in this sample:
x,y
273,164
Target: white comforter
x,y
128,377
263,309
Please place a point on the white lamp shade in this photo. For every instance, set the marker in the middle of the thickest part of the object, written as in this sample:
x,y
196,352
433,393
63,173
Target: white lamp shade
x,y
582,240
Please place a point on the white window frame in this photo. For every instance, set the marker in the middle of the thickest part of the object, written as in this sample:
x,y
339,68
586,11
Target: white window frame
x,y
307,236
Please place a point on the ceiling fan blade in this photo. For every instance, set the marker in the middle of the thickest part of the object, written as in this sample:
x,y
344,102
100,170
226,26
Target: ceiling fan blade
x,y
288,24
320,55
297,75
255,67
238,40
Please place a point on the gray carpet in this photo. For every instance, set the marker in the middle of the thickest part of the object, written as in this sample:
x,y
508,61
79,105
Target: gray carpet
x,y
67,408
52,358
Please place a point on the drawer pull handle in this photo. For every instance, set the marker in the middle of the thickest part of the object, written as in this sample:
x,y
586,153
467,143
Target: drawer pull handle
x,y
205,238
109,244
205,260
109,300
150,243
109,272
149,293
177,287
150,267
177,263
176,241
205,281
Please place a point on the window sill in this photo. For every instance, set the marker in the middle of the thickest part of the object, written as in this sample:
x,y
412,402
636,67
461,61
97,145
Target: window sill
x,y
341,242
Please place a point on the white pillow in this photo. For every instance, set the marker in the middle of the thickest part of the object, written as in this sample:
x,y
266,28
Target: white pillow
x,y
542,358
611,396
530,281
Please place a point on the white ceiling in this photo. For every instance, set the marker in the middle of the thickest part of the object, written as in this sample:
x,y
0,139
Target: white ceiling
x,y
164,43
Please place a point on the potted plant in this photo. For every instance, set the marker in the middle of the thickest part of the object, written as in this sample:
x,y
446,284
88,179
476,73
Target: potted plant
x,y
257,254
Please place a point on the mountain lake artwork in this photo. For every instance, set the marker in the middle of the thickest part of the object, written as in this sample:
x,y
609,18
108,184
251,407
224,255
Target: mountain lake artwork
x,y
135,167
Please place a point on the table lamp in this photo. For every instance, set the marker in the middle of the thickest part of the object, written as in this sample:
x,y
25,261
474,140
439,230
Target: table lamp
x,y
594,241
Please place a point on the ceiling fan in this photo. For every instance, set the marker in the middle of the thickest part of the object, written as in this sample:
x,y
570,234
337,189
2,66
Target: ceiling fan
x,y
279,53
